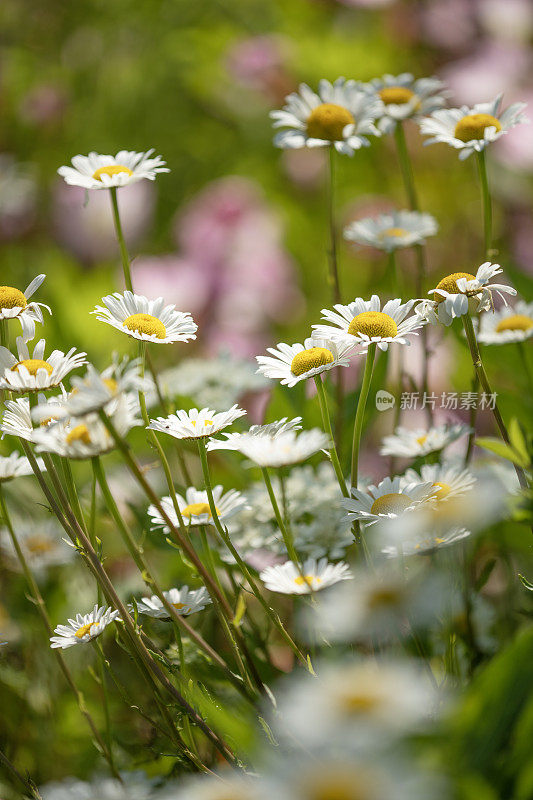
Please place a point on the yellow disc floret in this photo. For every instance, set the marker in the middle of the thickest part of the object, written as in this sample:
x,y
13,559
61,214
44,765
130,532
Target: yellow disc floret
x,y
328,121
38,545
311,359
473,126
373,323
112,169
306,579
444,489
145,323
32,365
358,702
81,632
197,509
449,284
11,298
395,95
395,232
79,434
516,322
393,503
422,439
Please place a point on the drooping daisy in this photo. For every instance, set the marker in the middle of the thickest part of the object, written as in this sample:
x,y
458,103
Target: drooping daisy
x,y
15,465
186,601
507,324
447,480
32,373
14,305
273,429
471,130
283,449
196,424
147,320
406,443
392,231
341,115
292,363
462,293
364,322
83,627
195,509
389,499
404,97
17,417
315,575
41,541
97,171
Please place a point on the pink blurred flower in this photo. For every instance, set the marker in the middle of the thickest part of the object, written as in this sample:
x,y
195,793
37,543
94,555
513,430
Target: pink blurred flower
x,y
18,197
450,24
254,61
43,105
305,167
176,279
515,150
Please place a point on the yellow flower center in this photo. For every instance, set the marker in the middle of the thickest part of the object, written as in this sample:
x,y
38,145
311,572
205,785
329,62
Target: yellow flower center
x,y
32,365
206,422
111,384
11,298
310,359
444,489
179,606
383,598
396,95
358,702
328,121
38,544
393,503
422,439
396,232
80,633
196,509
308,579
79,434
338,787
449,284
145,323
516,322
112,169
373,323
473,126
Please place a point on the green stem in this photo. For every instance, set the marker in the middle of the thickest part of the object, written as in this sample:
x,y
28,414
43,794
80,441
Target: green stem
x,y
28,784
406,166
393,271
360,412
120,236
284,530
487,204
332,253
326,422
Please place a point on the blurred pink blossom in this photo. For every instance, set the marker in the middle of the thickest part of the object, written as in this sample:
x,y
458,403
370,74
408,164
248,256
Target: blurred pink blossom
x,y
18,197
450,24
177,280
515,149
43,105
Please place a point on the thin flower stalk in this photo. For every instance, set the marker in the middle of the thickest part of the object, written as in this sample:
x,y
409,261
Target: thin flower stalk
x,y
326,422
120,236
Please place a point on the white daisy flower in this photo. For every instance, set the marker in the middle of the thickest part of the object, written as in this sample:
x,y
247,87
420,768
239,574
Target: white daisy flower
x,y
471,130
341,114
83,628
195,509
425,544
218,787
462,293
14,305
365,322
32,373
132,786
147,320
447,480
15,465
389,499
196,424
406,443
315,575
273,429
404,97
40,541
292,363
186,601
17,417
392,231
507,324
97,171
282,449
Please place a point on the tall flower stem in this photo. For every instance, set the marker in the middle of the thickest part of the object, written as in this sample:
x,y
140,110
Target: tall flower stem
x,y
485,385
284,530
326,422
334,282
27,782
406,166
121,241
360,412
487,204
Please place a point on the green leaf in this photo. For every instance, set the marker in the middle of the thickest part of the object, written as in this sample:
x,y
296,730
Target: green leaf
x,y
526,583
240,610
502,449
518,441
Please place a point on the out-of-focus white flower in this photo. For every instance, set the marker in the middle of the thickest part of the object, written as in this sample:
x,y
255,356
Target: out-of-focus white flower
x,y
314,576
83,628
97,171
404,97
271,429
216,787
40,541
32,373
425,544
144,319
471,130
461,293
392,231
364,322
406,443
389,499
341,115
133,786
100,390
196,424
17,418
448,481
14,305
508,324
14,465
186,601
282,449
195,509
292,363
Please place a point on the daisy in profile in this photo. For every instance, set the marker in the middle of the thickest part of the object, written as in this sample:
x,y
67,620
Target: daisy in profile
x,y
425,544
196,424
314,575
405,97
392,231
96,390
462,293
186,601
97,171
14,305
341,115
194,507
282,449
389,499
17,416
291,363
41,541
406,443
83,628
364,322
471,130
32,373
273,429
15,465
507,325
448,481
146,320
